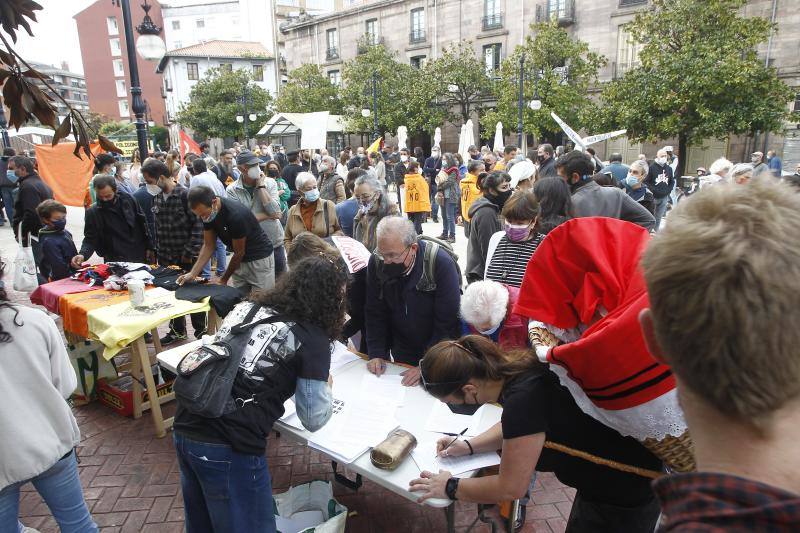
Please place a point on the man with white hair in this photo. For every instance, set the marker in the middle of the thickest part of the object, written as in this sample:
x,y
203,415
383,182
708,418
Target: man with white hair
x,y
412,296
717,172
487,309
660,181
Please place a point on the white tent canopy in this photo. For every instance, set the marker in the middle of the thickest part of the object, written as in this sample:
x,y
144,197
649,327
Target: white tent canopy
x,y
291,123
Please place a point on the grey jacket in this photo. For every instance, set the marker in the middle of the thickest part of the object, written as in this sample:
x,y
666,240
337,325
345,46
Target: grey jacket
x,y
484,222
272,227
592,200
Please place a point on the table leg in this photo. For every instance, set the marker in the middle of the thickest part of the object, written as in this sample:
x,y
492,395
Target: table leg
x,y
156,340
450,516
136,374
152,392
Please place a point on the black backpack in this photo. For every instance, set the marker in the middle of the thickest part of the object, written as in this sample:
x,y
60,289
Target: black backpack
x,y
206,374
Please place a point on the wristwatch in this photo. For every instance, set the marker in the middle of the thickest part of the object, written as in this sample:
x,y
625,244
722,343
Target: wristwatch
x,y
451,487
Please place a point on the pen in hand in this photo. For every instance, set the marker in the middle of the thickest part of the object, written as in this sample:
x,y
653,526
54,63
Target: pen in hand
x,y
452,441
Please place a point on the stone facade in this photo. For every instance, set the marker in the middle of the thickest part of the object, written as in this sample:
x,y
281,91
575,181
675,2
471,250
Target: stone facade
x,y
506,23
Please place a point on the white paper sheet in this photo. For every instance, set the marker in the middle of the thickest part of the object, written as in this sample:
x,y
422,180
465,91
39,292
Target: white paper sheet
x,y
425,457
341,356
387,389
443,420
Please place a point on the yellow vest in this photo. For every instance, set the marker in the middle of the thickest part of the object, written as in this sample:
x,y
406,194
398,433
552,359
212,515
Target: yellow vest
x,y
499,165
417,198
469,193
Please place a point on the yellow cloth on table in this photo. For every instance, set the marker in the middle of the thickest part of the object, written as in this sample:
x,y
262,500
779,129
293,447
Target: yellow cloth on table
x,y
118,325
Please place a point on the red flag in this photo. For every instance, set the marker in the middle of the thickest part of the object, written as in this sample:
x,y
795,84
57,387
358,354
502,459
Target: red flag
x,y
583,265
188,145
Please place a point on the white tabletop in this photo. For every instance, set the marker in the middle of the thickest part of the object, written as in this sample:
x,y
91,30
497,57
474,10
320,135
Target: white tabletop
x,y
412,416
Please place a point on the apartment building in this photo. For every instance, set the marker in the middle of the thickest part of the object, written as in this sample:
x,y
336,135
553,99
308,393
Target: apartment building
x,y
70,86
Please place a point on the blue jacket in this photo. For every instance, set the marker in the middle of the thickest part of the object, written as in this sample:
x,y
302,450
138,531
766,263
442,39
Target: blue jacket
x,y
775,165
618,171
406,321
346,212
58,249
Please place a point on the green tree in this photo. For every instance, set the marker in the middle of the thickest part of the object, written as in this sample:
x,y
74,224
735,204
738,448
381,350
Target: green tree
x,y
117,129
159,135
215,101
460,69
565,69
700,76
307,91
403,98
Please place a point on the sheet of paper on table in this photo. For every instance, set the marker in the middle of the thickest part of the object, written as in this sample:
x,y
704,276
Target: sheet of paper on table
x,y
385,389
443,420
425,457
360,427
340,356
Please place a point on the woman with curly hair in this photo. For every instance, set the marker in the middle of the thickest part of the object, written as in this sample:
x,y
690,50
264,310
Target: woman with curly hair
x,y
224,476
38,432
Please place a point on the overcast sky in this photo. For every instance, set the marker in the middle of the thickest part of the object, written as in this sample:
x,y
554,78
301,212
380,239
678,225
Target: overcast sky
x,y
55,34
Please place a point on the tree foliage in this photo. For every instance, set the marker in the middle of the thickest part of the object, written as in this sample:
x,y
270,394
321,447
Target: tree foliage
x,y
562,90
700,75
307,91
458,67
215,101
403,97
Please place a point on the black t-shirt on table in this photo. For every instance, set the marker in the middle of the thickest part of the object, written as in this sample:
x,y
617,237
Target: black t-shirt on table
x,y
235,221
537,403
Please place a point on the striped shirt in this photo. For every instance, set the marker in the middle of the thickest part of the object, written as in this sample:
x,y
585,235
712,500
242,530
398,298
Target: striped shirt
x,y
510,259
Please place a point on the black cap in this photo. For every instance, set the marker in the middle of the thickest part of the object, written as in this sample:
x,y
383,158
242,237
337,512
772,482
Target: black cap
x,y
247,159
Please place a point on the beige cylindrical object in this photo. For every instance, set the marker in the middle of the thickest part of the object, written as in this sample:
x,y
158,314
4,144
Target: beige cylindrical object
x,y
136,292
390,453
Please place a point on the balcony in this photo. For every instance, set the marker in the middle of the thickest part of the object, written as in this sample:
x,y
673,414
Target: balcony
x,y
492,22
368,40
561,11
416,36
631,3
332,53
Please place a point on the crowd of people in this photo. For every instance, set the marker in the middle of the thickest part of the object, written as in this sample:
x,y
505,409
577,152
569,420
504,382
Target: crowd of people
x,y
716,304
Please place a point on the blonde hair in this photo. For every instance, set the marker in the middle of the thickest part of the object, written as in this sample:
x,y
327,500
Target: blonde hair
x,y
724,282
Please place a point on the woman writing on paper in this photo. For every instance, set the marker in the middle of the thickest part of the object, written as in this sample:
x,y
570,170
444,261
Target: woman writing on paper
x,y
537,409
225,481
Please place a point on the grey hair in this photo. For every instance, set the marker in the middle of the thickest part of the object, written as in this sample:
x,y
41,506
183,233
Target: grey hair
x,y
330,160
398,226
740,170
302,179
484,301
720,165
384,202
641,165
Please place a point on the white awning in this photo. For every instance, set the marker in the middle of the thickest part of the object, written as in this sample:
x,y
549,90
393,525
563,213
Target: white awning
x,y
291,123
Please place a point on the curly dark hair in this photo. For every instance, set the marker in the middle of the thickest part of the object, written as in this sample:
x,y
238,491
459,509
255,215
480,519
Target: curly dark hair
x,y
312,292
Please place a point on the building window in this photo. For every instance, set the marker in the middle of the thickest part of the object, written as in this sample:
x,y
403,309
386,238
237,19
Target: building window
x,y
371,31
192,71
626,3
176,24
258,72
226,67
332,37
417,61
627,52
200,23
115,49
334,76
124,111
491,58
178,44
417,34
121,90
119,70
492,17
113,29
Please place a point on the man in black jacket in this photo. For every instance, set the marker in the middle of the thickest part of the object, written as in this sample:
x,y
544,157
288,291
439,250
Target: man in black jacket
x,y
7,185
547,162
115,227
660,180
32,191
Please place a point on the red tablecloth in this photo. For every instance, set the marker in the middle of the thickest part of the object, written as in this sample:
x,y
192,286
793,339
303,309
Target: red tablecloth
x,y
48,294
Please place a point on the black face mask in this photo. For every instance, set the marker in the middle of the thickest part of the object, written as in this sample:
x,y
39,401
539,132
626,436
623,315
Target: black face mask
x,y
107,203
393,270
540,158
464,408
273,173
501,198
487,166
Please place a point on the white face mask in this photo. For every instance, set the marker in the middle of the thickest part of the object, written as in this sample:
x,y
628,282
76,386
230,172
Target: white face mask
x,y
253,173
491,331
403,158
661,160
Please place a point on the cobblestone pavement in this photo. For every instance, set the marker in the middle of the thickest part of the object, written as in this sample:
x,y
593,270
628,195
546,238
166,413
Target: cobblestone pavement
x,y
131,480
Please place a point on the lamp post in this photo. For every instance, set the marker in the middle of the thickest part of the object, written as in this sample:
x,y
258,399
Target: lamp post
x,y
374,90
148,48
245,118
534,105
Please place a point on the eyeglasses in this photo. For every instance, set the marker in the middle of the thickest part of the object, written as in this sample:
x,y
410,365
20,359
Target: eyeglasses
x,y
392,258
454,385
364,197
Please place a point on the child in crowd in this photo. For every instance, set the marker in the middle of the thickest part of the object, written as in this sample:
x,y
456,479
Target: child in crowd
x,y
56,242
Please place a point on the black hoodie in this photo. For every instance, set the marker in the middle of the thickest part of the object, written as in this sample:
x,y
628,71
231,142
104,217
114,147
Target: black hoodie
x,y
484,222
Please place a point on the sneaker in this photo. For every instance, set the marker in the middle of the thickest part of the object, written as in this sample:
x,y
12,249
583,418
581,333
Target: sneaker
x,y
442,237
199,334
172,337
436,220
451,240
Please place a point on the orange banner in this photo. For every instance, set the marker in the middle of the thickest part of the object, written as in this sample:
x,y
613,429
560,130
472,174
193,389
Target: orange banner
x,y
67,175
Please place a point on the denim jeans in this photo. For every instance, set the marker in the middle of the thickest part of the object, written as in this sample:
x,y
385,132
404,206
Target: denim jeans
x,y
434,205
279,254
8,201
661,209
449,219
224,490
61,489
220,254
417,219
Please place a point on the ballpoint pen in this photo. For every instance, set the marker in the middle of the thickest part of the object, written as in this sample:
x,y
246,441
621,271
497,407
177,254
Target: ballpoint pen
x,y
452,441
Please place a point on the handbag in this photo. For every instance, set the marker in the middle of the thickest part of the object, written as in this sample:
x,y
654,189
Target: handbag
x,y
390,453
25,278
206,374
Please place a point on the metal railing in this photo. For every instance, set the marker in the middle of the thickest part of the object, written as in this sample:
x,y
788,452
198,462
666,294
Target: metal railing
x,y
416,36
492,22
562,11
332,53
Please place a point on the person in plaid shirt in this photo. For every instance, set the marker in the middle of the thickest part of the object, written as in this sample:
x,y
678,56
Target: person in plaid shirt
x,y
723,280
178,236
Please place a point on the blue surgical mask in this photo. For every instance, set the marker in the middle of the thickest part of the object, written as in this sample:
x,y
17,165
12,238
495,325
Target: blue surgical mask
x,y
631,181
212,216
59,225
311,196
10,174
490,332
